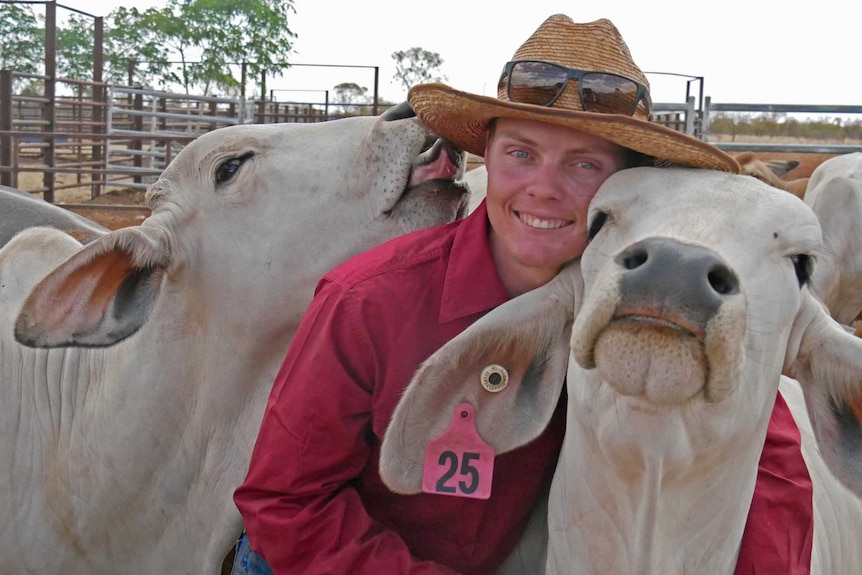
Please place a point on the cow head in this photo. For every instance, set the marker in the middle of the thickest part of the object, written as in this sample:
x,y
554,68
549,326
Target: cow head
x,y
689,303
253,215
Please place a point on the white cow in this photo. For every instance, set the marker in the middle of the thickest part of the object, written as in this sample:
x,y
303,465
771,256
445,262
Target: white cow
x,y
477,181
124,459
20,210
835,195
688,305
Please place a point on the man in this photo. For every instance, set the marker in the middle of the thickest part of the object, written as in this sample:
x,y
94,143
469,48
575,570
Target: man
x,y
572,108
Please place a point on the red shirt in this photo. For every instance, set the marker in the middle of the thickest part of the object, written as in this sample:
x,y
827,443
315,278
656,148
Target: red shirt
x,y
313,501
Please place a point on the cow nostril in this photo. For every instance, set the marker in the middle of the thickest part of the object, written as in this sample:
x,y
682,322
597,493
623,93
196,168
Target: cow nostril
x,y
722,280
634,258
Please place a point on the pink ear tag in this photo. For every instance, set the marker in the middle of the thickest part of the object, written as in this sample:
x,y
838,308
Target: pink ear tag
x,y
459,462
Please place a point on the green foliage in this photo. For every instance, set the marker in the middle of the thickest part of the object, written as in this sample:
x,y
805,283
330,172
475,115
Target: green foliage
x,y
212,35
211,39
75,48
349,95
20,39
417,66
132,38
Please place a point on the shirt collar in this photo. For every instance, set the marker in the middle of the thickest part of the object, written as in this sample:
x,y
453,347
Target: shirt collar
x,y
472,284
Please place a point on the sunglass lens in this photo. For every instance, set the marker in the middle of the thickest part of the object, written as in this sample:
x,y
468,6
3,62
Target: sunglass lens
x,y
608,93
536,83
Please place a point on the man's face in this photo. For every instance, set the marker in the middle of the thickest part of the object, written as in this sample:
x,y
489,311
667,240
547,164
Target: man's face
x,y
541,178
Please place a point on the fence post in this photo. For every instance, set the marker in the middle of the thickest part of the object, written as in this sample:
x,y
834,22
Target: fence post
x,y
137,126
704,125
6,126
261,107
49,125
689,116
375,108
98,110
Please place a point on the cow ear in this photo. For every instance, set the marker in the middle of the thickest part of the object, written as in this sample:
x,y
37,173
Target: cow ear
x,y
529,338
100,295
827,362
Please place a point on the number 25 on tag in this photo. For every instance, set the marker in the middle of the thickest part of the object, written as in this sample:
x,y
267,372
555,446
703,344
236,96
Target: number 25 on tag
x,y
459,463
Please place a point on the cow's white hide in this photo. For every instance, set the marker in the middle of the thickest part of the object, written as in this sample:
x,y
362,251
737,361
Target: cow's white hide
x,y
835,195
686,308
123,459
477,181
20,210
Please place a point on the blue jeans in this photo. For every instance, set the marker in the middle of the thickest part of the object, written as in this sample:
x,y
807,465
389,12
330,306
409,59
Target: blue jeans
x,y
247,562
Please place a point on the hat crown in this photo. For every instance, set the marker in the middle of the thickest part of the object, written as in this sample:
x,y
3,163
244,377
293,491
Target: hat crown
x,y
593,46
465,119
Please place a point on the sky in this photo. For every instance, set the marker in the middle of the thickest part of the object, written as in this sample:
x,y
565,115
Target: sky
x,y
746,51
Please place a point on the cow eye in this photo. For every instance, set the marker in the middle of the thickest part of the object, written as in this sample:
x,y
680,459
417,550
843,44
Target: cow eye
x,y
803,265
226,170
598,221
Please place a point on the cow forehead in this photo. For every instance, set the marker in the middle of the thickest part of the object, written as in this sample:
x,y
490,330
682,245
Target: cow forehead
x,y
284,139
731,214
347,156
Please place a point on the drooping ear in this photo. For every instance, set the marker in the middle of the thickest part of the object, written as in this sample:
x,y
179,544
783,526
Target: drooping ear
x,y
827,362
100,295
781,167
529,337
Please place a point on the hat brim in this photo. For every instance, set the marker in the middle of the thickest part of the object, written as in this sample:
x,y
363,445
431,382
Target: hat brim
x,y
463,119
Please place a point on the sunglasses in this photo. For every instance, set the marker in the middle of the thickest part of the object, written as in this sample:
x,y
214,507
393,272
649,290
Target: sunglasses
x,y
541,83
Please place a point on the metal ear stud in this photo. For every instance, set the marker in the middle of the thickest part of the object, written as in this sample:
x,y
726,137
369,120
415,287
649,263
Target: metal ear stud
x,y
495,378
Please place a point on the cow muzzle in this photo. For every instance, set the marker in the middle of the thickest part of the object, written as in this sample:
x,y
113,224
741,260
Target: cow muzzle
x,y
664,321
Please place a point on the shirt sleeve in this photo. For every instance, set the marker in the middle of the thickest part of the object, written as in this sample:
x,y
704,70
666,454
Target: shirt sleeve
x,y
779,532
298,505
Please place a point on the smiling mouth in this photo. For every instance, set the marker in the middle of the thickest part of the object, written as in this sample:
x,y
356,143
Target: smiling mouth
x,y
542,223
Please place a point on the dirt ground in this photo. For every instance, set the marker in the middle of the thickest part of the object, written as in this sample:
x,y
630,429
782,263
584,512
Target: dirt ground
x,y
114,210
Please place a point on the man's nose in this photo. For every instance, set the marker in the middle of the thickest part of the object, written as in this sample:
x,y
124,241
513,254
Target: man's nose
x,y
548,182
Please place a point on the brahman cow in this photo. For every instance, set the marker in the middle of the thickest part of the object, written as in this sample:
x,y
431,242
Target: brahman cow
x,y
124,459
770,172
20,210
687,307
835,195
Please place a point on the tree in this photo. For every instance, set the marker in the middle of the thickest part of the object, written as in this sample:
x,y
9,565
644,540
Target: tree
x,y
348,95
417,66
210,38
75,48
20,42
211,35
131,36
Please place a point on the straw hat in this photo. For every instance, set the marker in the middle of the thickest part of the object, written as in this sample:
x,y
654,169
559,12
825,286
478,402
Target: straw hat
x,y
463,118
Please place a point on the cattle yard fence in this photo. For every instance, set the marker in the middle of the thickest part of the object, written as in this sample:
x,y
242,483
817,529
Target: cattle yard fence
x,y
100,137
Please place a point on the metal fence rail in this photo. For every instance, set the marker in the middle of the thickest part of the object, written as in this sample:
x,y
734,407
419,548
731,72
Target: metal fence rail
x,y
110,136
696,123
